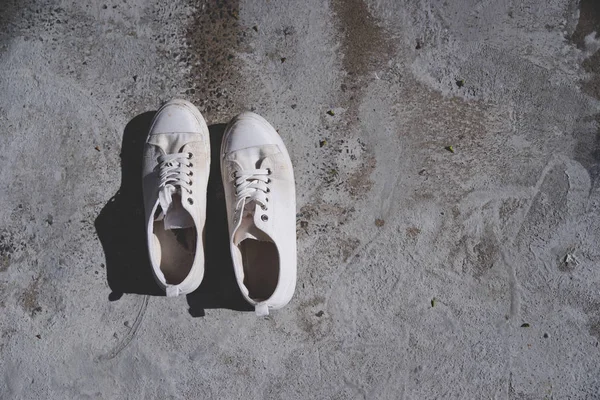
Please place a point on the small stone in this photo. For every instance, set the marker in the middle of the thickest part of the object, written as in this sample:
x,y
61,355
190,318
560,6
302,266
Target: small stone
x,y
104,7
135,78
546,336
97,148
283,59
379,222
38,336
294,106
255,28
419,45
304,224
126,323
460,83
525,325
323,143
331,112
320,314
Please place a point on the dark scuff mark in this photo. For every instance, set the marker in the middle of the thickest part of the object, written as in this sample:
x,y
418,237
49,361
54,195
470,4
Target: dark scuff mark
x,y
364,42
366,48
587,150
213,38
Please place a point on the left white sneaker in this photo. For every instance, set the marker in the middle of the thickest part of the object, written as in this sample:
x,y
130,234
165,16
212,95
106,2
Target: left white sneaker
x,y
261,210
175,176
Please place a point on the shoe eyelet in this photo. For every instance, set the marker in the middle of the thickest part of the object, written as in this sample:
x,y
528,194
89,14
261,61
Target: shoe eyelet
x,y
191,182
264,208
190,200
190,155
264,217
267,199
191,165
268,190
191,173
268,180
269,171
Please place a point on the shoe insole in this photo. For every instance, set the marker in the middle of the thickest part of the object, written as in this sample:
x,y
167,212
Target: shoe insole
x,y
177,250
261,268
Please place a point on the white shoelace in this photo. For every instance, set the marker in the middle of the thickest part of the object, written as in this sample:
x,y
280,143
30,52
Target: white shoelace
x,y
175,171
251,185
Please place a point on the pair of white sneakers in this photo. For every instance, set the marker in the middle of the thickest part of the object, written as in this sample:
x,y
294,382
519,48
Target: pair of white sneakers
x,y
260,198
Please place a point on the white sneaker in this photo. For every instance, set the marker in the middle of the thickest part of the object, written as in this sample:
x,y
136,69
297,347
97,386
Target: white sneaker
x,y
261,210
175,175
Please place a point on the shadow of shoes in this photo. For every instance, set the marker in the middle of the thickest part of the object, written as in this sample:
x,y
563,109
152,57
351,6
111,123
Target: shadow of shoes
x,y
120,224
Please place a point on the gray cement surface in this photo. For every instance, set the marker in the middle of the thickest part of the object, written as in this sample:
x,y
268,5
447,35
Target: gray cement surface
x,y
423,273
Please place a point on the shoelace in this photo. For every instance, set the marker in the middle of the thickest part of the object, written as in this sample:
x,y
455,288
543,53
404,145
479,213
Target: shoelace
x,y
252,185
175,171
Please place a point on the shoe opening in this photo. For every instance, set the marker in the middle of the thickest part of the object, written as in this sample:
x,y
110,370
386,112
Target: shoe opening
x,y
176,244
261,268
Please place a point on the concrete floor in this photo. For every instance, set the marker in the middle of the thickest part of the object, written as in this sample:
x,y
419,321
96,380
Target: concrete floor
x,y
423,273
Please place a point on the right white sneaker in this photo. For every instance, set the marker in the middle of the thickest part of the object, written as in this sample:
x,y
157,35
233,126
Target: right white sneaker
x,y
261,210
175,176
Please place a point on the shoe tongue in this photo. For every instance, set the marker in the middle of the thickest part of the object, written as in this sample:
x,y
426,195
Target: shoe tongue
x,y
247,229
250,231
177,216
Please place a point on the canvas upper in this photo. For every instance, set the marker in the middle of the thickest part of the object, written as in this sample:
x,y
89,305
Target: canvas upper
x,y
261,209
176,166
